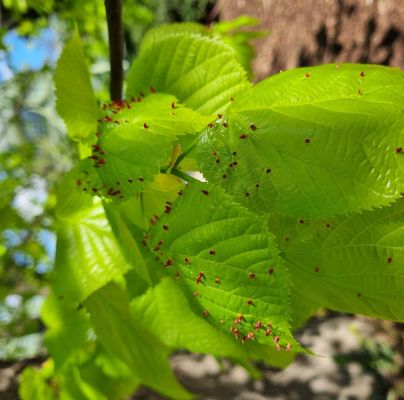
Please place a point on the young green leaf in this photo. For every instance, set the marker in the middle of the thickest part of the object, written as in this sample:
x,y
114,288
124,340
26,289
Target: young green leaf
x,y
201,72
75,100
67,329
123,337
352,263
87,256
313,142
33,386
166,310
135,143
229,262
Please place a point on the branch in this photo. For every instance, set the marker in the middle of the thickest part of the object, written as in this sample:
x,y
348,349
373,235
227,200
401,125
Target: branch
x,y
113,9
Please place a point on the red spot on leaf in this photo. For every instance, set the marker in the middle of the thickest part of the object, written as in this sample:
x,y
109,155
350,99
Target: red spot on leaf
x,y
199,277
169,262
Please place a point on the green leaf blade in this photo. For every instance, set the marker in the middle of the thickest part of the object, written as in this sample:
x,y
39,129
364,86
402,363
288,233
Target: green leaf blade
x,y
123,337
166,310
87,255
136,145
352,263
75,103
228,261
314,142
200,71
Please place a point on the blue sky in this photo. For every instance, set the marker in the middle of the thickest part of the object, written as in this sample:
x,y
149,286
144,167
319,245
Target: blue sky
x,y
28,53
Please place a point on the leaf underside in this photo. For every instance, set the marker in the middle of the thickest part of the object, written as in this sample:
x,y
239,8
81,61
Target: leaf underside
x,y
87,255
75,100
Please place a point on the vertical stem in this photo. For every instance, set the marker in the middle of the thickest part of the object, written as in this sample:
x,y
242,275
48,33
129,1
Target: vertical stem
x,y
113,10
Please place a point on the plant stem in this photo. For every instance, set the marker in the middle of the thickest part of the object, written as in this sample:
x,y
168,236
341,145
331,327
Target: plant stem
x,y
113,9
184,176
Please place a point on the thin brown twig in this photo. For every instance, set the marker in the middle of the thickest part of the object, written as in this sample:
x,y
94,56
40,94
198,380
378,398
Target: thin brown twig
x,y
113,9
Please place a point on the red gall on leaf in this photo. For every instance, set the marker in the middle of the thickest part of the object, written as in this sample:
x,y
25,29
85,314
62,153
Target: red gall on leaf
x,y
239,319
199,277
169,262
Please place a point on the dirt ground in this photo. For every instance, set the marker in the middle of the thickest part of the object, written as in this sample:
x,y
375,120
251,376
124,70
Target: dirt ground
x,y
349,365
310,32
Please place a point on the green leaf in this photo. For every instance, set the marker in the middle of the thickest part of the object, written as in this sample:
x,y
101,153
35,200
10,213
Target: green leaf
x,y
130,219
132,152
352,263
122,336
161,32
67,329
243,21
33,386
73,387
166,311
229,262
87,255
313,142
109,375
76,102
201,72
